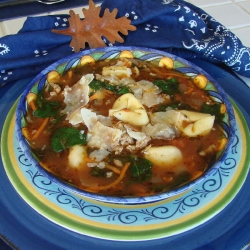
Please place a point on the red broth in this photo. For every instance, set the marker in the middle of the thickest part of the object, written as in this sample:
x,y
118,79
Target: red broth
x,y
129,165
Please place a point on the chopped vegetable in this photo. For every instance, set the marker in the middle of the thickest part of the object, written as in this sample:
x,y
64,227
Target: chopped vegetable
x,y
47,109
67,137
212,109
121,176
40,129
141,169
44,107
169,86
97,172
97,85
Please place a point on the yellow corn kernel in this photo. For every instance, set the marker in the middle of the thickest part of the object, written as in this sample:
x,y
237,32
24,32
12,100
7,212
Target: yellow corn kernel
x,y
86,59
200,81
166,62
222,143
126,54
53,76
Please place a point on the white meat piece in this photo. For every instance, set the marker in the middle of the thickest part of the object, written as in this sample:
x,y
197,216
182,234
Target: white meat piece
x,y
190,123
75,117
170,117
105,120
134,134
151,99
113,80
146,92
99,154
102,136
160,131
89,118
77,96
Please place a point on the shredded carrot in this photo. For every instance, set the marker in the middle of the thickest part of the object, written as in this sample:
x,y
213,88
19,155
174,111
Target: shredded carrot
x,y
93,97
33,106
114,169
107,92
123,171
170,73
190,90
40,129
89,160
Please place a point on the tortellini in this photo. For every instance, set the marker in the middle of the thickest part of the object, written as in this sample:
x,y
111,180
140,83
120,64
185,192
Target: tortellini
x,y
128,109
189,123
200,123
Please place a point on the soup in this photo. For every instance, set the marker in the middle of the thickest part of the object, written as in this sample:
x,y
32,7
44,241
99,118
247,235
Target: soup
x,y
124,127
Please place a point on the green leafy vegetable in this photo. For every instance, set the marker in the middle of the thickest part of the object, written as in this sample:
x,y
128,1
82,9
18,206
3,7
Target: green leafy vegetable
x,y
214,109
96,85
123,90
168,86
39,100
180,179
47,109
57,119
141,169
67,137
97,172
110,87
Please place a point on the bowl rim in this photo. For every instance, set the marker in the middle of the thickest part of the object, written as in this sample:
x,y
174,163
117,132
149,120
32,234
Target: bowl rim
x,y
115,199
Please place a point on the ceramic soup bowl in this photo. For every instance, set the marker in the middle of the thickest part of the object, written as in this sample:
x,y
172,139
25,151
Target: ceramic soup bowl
x,y
136,118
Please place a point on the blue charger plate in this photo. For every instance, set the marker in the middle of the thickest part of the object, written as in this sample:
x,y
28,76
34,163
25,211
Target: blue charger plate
x,y
21,227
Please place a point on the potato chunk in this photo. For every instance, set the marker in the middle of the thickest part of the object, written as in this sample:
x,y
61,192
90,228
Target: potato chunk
x,y
76,157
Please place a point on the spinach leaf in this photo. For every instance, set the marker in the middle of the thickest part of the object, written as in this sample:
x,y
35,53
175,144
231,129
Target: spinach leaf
x,y
47,109
96,85
214,109
67,137
110,87
57,119
39,100
123,90
168,86
141,169
97,172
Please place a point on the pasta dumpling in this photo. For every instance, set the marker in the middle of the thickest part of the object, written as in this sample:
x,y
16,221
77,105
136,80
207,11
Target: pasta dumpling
x,y
163,156
128,109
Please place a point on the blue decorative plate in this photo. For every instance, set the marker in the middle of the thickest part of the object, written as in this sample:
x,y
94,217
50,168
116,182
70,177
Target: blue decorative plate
x,y
127,222
23,228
